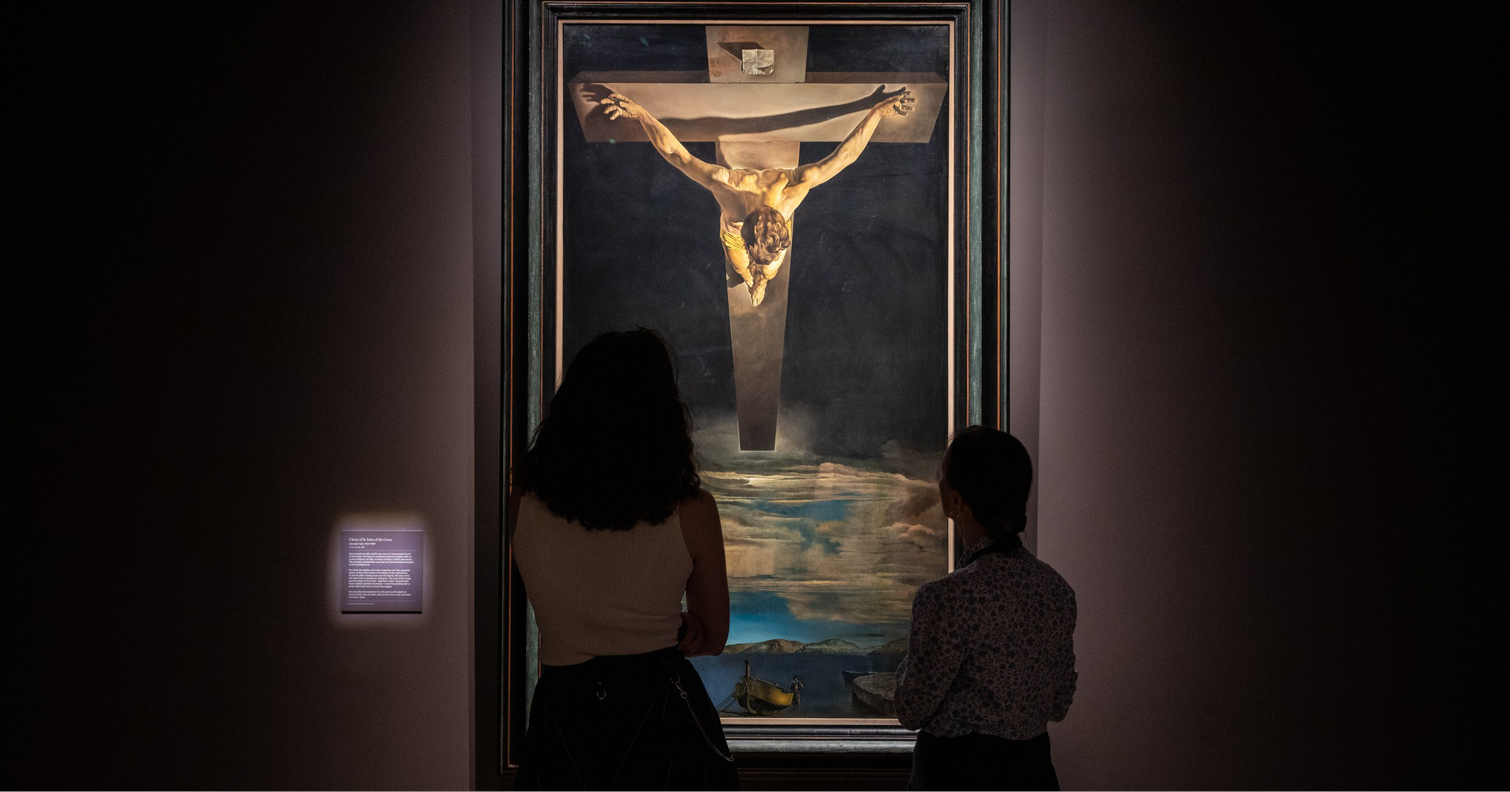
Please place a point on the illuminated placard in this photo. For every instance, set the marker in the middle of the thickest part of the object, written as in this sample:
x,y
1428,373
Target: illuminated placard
x,y
383,571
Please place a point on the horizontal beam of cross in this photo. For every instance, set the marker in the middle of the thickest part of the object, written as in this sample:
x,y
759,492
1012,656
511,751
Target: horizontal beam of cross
x,y
824,108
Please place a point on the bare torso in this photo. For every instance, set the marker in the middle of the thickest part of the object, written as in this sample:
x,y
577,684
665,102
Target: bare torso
x,y
740,191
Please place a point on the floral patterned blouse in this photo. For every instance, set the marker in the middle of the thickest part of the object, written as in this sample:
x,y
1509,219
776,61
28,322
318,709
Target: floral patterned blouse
x,y
991,649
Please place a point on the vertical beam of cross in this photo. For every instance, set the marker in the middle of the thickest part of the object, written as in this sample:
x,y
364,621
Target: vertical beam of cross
x,y
757,333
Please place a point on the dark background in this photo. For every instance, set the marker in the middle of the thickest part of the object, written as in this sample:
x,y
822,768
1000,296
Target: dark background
x,y
866,344
1270,424
1263,336
239,308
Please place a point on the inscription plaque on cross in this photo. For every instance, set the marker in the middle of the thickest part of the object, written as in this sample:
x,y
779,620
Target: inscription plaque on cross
x,y
758,103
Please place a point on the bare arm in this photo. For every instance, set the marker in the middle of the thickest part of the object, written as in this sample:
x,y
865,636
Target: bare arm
x,y
816,173
619,106
708,586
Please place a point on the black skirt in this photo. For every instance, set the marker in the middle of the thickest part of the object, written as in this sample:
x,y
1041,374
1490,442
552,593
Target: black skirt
x,y
982,761
625,722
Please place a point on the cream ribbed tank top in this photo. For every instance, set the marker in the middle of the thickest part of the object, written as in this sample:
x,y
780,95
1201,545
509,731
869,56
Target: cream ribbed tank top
x,y
600,592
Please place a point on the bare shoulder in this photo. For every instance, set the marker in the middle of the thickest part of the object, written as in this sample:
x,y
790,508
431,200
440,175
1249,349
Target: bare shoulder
x,y
724,181
700,508
700,526
732,176
805,173
791,198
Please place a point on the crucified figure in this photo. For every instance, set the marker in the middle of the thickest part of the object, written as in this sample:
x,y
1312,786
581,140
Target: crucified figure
x,y
756,205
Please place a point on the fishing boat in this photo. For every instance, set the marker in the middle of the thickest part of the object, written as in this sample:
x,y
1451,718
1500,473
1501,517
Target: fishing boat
x,y
760,697
876,691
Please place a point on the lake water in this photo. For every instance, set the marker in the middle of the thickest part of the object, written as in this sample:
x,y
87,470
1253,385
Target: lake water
x,y
824,693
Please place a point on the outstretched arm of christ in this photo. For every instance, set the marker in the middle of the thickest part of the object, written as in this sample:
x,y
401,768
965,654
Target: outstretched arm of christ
x,y
620,106
816,173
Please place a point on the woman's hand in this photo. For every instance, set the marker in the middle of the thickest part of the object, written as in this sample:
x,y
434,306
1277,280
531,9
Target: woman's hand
x,y
690,636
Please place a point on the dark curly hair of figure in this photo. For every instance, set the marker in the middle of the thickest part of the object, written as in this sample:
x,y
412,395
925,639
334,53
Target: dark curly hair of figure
x,y
615,448
991,471
765,234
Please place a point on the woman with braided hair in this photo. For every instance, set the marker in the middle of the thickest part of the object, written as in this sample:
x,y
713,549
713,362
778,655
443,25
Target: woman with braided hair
x,y
991,654
756,205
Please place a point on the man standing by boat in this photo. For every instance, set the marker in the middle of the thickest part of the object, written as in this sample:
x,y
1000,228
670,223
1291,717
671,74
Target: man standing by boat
x,y
991,657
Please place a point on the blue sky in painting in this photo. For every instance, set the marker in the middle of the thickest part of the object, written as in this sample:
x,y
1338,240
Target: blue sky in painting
x,y
762,615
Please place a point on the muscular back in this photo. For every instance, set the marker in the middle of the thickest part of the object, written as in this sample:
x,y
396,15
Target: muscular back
x,y
740,191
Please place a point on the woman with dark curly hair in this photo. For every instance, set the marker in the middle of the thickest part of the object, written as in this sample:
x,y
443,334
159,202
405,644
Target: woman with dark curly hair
x,y
611,527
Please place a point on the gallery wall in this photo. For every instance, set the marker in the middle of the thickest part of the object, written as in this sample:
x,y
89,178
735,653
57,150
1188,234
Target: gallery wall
x,y
244,315
1249,354
1251,316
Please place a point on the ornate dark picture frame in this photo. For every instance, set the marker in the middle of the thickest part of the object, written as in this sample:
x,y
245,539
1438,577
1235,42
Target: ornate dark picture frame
x,y
538,339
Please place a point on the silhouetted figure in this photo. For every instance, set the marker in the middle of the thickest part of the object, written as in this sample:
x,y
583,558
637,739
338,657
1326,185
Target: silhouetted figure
x,y
991,657
611,527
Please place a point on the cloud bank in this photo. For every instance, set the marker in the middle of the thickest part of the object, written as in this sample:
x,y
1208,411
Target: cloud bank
x,y
835,541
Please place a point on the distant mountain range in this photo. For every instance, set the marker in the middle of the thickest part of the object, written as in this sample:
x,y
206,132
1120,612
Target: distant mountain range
x,y
829,646
897,647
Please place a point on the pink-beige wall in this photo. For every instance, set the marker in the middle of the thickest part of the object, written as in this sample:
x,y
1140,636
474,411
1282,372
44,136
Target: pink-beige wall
x,y
1247,351
255,298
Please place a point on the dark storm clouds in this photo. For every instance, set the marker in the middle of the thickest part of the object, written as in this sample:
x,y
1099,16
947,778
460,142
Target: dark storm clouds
x,y
866,337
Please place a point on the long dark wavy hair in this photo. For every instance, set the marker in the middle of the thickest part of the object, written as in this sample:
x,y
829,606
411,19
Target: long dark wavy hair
x,y
615,448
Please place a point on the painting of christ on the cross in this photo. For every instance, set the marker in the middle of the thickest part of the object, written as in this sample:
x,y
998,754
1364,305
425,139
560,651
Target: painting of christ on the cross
x,y
779,201
756,203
